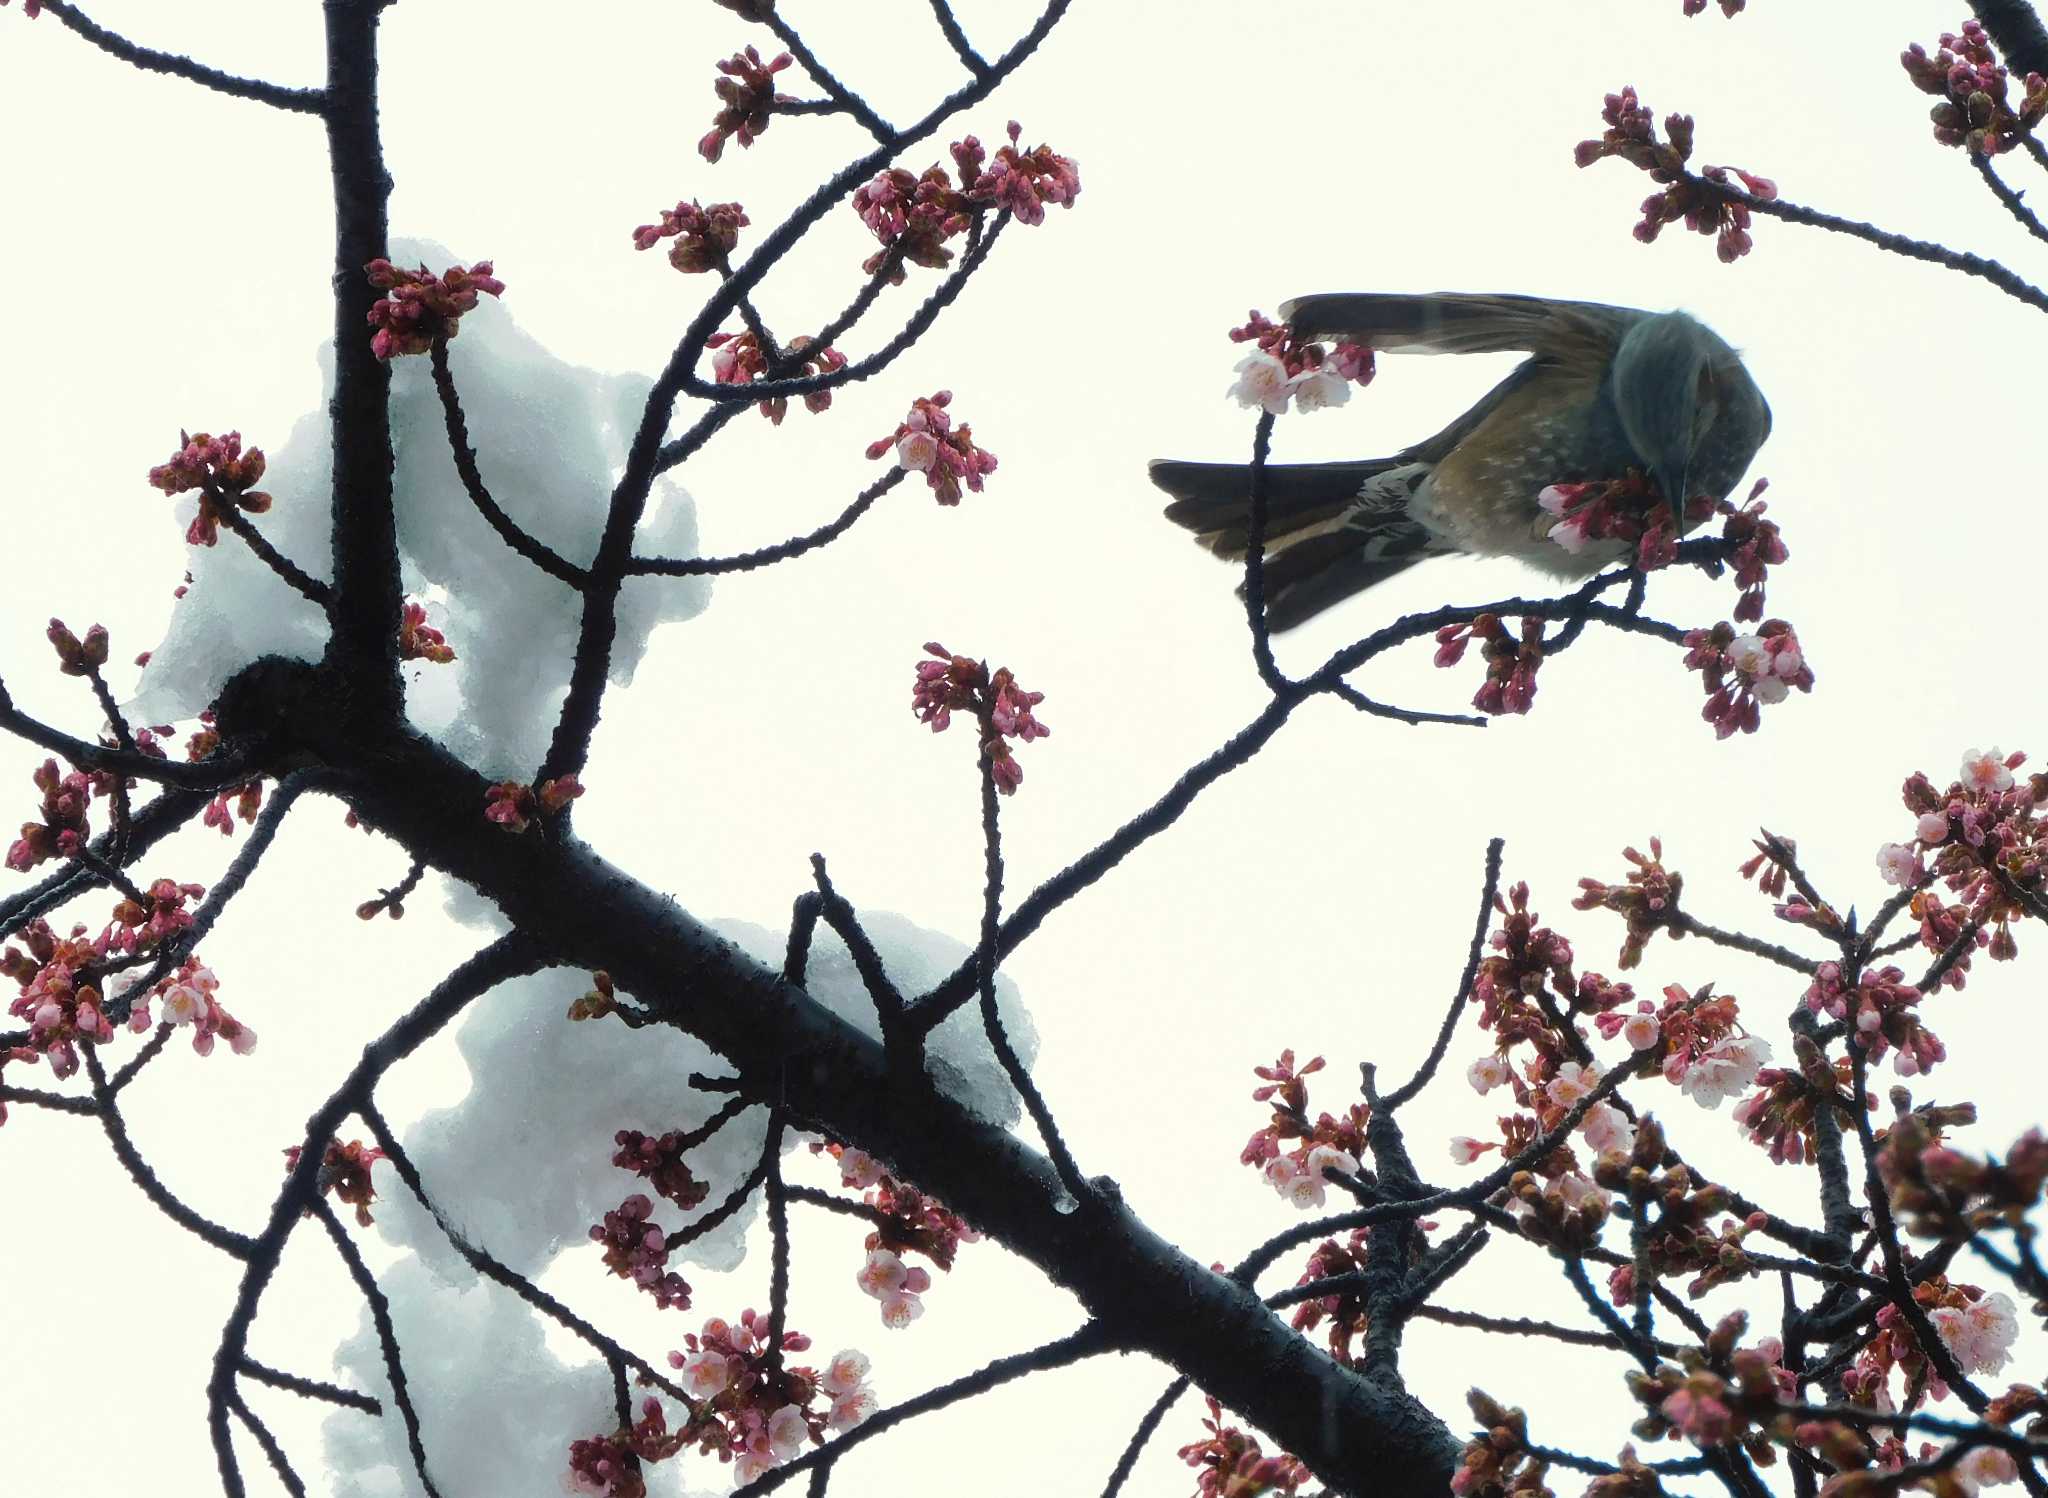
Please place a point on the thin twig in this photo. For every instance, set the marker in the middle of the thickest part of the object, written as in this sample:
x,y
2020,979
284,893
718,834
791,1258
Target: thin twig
x,y
299,100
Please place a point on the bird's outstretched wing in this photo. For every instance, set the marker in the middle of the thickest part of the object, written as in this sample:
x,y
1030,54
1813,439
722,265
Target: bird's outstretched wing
x,y
1456,322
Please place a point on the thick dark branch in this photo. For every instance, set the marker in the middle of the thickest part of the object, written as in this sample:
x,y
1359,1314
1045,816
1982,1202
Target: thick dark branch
x,y
508,529
2016,29
1151,1296
367,595
301,100
781,551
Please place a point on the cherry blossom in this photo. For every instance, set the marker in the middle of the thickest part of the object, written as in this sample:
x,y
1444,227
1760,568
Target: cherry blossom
x,y
1979,1334
1282,369
1607,1130
1487,1073
1724,1069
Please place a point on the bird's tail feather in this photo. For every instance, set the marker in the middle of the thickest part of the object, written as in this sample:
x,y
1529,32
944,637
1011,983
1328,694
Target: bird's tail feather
x,y
1214,499
1327,538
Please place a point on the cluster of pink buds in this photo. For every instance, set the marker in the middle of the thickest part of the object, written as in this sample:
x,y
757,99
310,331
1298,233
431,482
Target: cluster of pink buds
x,y
422,307
57,998
740,360
188,999
419,640
76,657
1975,111
755,1411
247,800
1630,510
138,928
223,474
928,442
1722,1394
1002,709
1497,1461
1647,900
1348,1311
909,1222
1741,673
636,1249
345,1173
704,237
1780,1115
1880,1008
1754,547
1292,1153
1940,1192
660,1161
1018,181
1283,369
747,96
1525,957
1230,1463
1511,664
516,805
63,830
1702,201
1730,8
914,216
1986,838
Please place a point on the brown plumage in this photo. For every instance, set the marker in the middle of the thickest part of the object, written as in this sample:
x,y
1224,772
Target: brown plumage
x,y
1604,389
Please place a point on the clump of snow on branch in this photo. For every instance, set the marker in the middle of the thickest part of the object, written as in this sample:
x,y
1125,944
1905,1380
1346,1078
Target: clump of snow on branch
x,y
521,1166
957,1053
494,1403
550,439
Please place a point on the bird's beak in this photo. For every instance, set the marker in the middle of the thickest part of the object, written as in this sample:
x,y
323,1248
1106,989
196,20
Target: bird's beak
x,y
1676,482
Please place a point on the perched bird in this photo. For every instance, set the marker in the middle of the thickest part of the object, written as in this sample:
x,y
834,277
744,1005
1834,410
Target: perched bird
x,y
1604,389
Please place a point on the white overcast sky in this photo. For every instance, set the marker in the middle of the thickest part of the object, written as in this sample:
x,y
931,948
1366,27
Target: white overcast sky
x,y
166,255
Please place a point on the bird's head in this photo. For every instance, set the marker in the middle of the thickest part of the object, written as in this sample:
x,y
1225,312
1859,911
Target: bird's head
x,y
1675,381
